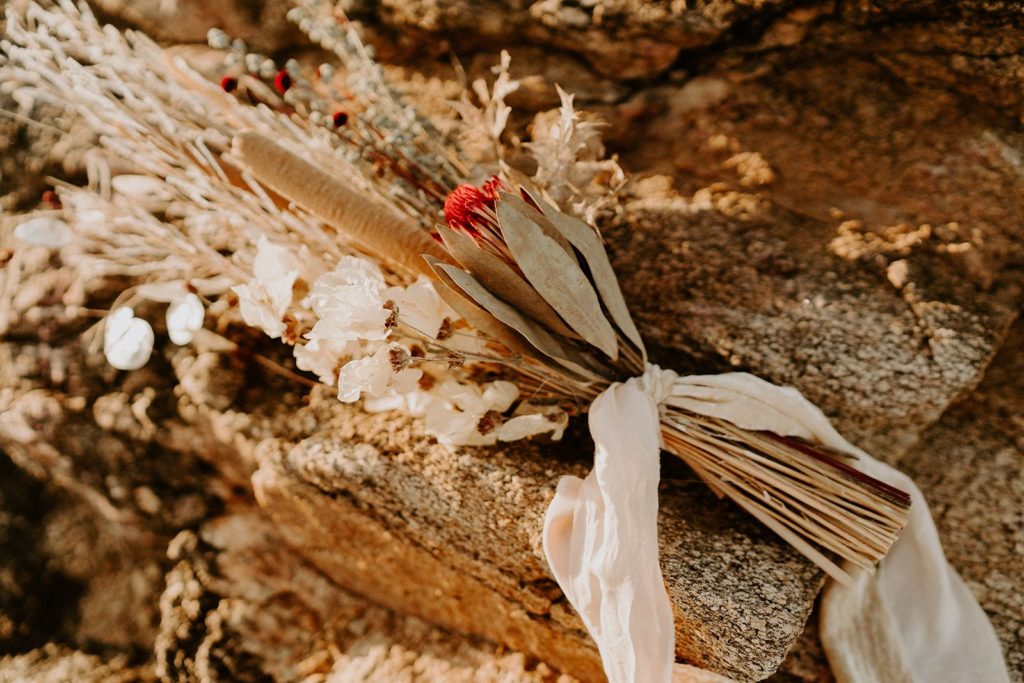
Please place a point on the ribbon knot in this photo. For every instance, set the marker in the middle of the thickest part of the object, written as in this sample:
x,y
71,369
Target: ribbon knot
x,y
658,383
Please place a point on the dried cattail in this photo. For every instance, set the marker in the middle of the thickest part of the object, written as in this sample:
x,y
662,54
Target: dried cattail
x,y
375,229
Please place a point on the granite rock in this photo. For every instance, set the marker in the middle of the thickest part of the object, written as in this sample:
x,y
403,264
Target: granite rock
x,y
833,192
454,537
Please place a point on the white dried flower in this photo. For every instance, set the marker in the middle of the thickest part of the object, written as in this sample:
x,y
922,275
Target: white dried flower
x,y
570,163
528,423
184,318
376,375
44,231
350,302
127,340
463,413
500,395
453,427
420,307
323,357
265,299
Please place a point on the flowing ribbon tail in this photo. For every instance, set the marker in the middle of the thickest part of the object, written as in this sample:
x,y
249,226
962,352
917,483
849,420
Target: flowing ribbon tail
x,y
914,620
911,621
601,541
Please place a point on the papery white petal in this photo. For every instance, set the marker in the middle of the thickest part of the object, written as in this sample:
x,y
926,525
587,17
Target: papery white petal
x,y
184,317
558,419
420,307
127,340
523,426
310,266
374,376
413,403
265,299
323,358
259,307
406,380
500,395
387,403
44,231
464,396
453,427
273,262
357,376
349,302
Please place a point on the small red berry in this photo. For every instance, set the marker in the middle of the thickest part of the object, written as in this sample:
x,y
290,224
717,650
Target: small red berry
x,y
282,81
50,198
228,84
340,118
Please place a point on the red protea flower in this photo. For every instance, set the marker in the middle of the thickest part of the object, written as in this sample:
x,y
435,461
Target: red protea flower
x,y
468,205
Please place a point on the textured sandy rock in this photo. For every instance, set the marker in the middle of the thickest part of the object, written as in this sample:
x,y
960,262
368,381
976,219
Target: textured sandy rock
x,y
240,605
261,24
857,244
618,38
55,664
454,537
842,215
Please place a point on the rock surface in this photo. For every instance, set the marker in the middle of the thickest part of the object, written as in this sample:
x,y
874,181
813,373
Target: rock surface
x,y
456,539
834,194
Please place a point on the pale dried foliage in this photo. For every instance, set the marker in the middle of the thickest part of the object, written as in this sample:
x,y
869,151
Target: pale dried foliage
x,y
479,136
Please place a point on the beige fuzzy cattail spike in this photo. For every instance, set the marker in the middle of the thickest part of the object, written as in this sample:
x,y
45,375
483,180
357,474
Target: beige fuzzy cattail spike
x,y
373,228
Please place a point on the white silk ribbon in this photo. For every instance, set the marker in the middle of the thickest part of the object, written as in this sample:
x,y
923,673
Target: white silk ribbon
x,y
912,621
601,540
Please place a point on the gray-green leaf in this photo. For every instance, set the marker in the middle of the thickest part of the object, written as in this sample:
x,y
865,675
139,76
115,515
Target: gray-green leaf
x,y
590,245
555,274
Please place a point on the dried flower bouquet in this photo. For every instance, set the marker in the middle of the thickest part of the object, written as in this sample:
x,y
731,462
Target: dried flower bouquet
x,y
409,267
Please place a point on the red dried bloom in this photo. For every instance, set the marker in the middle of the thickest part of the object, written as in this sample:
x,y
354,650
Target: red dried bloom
x,y
228,84
282,81
466,203
492,187
339,118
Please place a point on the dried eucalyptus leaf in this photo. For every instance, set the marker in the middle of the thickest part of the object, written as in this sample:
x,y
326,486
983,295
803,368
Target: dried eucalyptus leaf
x,y
520,205
556,275
499,277
589,244
476,316
541,340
